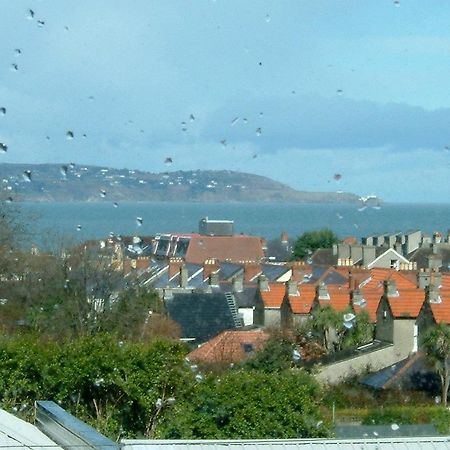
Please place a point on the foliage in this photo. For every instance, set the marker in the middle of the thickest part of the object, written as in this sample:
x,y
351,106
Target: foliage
x,y
401,415
310,241
361,333
275,356
108,383
248,405
437,345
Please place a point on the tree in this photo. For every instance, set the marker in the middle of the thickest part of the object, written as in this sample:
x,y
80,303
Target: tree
x,y
310,241
437,345
248,405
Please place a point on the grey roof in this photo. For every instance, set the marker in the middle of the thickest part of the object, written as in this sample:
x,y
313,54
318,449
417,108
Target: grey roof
x,y
200,315
421,255
324,257
194,281
229,270
317,272
335,278
274,271
245,298
422,443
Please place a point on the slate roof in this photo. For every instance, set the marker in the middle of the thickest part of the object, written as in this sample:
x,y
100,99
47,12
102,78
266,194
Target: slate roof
x,y
421,255
274,271
229,270
324,257
200,315
230,346
193,281
225,248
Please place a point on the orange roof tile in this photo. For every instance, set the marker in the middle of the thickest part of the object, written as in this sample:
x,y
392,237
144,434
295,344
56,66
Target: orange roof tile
x,y
441,311
408,303
445,282
302,303
339,298
273,298
378,275
372,300
229,346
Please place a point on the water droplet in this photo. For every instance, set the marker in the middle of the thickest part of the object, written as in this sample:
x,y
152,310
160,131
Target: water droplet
x,y
72,165
3,111
397,3
199,377
91,97
26,175
244,120
224,142
40,23
268,18
339,92
63,170
139,221
84,135
339,216
69,135
337,176
394,427
191,117
17,52
293,92
66,28
14,67
116,205
260,63
234,121
255,156
79,227
258,132
30,15
102,193
9,200
3,147
168,161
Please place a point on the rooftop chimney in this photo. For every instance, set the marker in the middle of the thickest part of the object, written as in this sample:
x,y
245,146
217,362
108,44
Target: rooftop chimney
x,y
174,266
390,288
357,296
284,238
214,278
238,283
183,276
263,283
433,294
292,287
423,279
322,292
210,266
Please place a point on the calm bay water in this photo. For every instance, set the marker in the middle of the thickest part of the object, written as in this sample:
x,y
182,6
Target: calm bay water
x,y
97,220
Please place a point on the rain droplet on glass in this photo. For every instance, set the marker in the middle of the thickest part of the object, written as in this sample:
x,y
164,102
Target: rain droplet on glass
x,y
192,117
337,176
63,170
40,23
258,132
139,221
168,161
79,227
9,200
27,175
394,427
102,193
234,121
244,120
224,142
339,92
2,111
17,52
397,3
268,18
69,135
14,67
30,14
72,165
116,205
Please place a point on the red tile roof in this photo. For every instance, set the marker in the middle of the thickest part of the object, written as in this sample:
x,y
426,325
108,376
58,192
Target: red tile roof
x,y
224,248
378,275
339,298
441,311
372,300
408,303
229,346
273,298
302,303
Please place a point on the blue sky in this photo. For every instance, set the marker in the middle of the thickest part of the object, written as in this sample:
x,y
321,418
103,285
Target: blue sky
x,y
352,87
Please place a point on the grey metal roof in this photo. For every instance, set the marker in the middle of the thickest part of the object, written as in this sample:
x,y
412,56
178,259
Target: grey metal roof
x,y
384,431
228,270
409,443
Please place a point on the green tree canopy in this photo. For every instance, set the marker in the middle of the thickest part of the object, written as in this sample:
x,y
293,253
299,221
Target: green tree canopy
x,y
310,241
437,345
248,405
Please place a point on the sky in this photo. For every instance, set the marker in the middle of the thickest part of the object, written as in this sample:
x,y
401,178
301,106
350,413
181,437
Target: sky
x,y
295,90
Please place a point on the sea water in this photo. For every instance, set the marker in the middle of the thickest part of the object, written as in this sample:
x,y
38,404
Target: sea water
x,y
83,221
